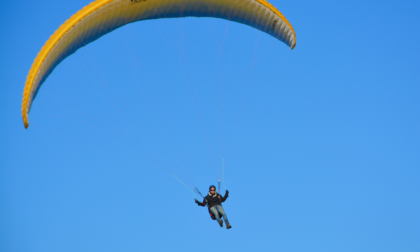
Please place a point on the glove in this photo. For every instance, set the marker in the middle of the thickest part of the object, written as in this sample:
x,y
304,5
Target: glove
x,y
227,192
196,201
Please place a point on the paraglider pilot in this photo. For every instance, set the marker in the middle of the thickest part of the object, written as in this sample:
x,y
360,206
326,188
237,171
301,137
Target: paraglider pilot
x,y
214,202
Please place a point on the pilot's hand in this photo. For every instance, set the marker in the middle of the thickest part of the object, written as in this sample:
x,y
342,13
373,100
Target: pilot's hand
x,y
196,201
227,192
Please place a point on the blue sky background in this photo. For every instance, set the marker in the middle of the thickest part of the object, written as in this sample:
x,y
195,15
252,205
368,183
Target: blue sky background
x,y
325,155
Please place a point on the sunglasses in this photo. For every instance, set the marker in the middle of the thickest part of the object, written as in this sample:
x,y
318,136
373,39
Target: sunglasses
x,y
212,189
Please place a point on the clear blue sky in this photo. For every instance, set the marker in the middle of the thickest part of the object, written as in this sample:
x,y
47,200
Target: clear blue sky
x,y
325,155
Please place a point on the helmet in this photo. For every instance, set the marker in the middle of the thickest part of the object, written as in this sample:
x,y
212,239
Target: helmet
x,y
212,186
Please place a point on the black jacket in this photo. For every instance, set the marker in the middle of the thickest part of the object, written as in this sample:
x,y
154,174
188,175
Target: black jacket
x,y
213,200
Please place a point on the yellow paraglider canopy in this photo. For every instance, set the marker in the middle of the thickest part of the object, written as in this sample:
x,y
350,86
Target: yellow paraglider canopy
x,y
103,16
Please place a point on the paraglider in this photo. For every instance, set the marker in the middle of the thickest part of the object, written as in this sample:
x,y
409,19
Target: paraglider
x,y
214,203
104,16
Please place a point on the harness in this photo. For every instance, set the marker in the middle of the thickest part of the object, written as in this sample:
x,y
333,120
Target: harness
x,y
212,214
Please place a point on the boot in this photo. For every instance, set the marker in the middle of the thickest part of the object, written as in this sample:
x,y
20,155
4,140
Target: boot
x,y
228,225
221,223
